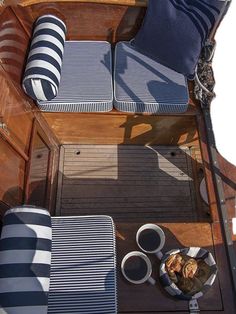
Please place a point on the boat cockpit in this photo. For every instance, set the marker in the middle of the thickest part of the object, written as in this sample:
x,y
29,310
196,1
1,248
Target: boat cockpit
x,y
105,135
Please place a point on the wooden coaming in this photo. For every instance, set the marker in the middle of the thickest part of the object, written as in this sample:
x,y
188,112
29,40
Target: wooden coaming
x,y
17,114
228,176
138,3
87,21
41,178
14,44
12,167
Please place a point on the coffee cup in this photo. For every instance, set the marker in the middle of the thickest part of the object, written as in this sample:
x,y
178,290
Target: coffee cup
x,y
136,267
151,239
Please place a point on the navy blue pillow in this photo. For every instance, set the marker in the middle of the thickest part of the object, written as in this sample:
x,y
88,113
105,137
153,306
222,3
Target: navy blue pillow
x,y
174,31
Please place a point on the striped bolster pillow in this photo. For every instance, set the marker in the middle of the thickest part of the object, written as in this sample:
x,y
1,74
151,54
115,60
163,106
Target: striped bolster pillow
x,y
43,69
25,259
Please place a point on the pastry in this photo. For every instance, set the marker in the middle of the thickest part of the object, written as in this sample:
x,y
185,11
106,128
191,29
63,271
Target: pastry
x,y
187,273
190,268
174,263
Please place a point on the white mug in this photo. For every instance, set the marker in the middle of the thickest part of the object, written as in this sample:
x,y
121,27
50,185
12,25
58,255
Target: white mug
x,y
147,277
161,234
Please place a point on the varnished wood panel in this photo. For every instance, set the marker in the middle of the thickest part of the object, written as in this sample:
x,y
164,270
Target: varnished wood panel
x,y
15,113
137,3
120,128
42,170
14,43
15,107
3,208
12,167
38,174
146,298
24,18
90,21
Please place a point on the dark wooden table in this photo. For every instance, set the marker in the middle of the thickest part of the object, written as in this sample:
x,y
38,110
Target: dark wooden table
x,y
146,298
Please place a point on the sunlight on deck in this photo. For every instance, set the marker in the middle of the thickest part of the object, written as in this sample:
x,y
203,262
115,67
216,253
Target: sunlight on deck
x,y
127,179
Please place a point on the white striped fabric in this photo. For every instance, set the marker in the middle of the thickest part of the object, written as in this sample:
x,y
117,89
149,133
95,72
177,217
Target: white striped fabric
x,y
25,258
142,85
43,69
83,275
86,79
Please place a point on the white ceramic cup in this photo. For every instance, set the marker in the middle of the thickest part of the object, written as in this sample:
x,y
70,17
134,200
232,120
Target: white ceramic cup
x,y
160,233
149,268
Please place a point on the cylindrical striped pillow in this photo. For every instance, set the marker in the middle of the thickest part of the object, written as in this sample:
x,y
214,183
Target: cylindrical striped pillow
x,y
43,69
195,252
25,260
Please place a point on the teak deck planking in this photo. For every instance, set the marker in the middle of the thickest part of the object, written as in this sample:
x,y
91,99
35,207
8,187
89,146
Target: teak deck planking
x,y
129,182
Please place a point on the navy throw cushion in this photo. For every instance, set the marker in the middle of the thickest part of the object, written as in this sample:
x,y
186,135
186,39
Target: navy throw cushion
x,y
43,69
174,31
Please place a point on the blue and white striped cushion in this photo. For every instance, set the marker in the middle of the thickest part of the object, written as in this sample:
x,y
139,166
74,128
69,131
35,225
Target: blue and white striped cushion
x,y
83,269
25,258
195,252
86,79
142,85
43,69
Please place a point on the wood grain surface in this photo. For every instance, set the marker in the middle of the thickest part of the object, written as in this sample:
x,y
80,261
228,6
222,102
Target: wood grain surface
x,y
128,181
138,3
146,298
88,21
116,128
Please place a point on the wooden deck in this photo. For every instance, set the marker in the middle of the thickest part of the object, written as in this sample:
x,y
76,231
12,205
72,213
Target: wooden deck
x,y
137,184
130,181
